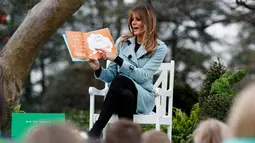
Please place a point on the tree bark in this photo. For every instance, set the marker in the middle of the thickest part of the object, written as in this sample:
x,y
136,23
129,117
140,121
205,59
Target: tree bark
x,y
19,53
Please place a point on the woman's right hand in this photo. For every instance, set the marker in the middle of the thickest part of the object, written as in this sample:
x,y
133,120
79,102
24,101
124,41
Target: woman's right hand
x,y
94,63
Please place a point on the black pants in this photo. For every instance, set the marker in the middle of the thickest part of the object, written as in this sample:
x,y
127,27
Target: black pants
x,y
120,99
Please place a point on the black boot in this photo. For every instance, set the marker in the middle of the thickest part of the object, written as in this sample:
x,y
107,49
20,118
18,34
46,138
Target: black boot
x,y
95,132
106,112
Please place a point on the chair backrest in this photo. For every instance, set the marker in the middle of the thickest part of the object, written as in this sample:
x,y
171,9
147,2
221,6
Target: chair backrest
x,y
165,81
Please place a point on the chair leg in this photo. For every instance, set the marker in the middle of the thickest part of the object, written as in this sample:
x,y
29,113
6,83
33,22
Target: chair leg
x,y
169,132
157,113
157,126
91,111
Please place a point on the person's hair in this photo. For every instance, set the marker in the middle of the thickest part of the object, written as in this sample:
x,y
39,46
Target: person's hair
x,y
153,136
54,133
147,15
123,131
241,119
210,131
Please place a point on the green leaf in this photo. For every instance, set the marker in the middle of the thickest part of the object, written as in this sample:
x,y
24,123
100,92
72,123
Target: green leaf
x,y
183,124
17,108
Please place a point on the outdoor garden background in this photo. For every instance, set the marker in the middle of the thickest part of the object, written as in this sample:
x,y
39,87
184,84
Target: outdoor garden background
x,y
211,41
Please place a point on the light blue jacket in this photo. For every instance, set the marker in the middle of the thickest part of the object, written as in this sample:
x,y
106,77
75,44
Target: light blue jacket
x,y
139,67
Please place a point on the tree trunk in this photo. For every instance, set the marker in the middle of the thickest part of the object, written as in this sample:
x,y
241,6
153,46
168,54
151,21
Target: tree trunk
x,y
19,53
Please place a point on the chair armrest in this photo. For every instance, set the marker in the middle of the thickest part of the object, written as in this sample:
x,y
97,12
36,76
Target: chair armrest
x,y
95,91
161,92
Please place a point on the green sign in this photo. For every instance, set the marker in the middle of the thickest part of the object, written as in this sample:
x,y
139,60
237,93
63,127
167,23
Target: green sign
x,y
23,123
7,141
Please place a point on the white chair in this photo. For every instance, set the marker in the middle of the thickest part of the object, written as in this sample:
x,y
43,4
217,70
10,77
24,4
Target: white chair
x,y
161,117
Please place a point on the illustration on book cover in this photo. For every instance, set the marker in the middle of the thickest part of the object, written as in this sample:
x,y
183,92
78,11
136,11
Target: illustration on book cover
x,y
82,46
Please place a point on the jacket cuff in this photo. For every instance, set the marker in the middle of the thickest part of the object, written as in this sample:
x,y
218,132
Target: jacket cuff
x,y
127,68
98,72
119,61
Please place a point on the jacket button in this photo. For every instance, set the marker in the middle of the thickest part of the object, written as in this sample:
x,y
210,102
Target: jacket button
x,y
131,67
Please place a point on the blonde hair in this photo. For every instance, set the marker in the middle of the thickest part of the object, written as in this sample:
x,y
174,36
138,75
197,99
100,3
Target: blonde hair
x,y
123,131
147,15
153,136
210,131
241,119
54,133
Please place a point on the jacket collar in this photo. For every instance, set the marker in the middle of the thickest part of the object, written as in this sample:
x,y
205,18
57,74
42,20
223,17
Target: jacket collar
x,y
141,51
129,51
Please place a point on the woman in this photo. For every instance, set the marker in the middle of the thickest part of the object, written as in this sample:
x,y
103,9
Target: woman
x,y
130,72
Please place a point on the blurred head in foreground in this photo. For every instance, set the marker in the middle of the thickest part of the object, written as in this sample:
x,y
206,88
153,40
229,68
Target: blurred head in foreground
x,y
123,131
153,136
210,131
54,133
241,119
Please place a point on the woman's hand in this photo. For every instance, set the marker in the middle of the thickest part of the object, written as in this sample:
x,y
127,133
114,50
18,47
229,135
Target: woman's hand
x,y
107,55
94,63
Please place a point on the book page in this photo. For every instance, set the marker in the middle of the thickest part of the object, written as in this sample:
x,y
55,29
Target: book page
x,y
73,59
100,39
83,46
76,45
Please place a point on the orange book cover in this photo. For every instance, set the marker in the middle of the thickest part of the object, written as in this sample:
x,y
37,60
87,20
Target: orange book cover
x,y
82,46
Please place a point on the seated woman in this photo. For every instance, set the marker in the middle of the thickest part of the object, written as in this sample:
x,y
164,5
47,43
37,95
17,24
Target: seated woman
x,y
130,72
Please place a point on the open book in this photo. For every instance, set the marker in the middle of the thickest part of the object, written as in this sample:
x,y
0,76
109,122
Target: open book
x,y
82,46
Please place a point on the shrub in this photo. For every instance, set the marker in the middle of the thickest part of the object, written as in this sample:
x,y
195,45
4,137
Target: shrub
x,y
216,70
224,85
216,106
183,125
217,93
79,117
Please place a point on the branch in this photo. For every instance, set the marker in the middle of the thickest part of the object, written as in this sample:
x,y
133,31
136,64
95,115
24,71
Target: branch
x,y
227,20
244,4
19,53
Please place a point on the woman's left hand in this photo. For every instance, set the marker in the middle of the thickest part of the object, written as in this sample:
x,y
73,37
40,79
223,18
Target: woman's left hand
x,y
107,55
